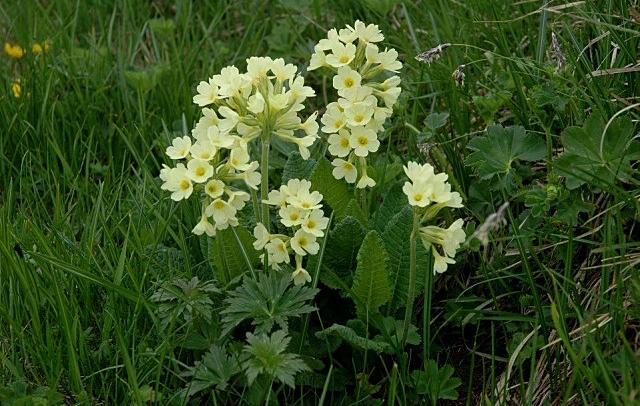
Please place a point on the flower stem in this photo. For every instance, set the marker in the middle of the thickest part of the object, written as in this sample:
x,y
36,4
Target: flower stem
x,y
426,313
412,275
264,188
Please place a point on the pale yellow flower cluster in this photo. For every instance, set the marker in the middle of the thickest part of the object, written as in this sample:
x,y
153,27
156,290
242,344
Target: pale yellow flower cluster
x,y
262,102
213,162
367,91
300,209
430,192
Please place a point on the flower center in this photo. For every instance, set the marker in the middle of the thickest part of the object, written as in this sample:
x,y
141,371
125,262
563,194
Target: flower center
x,y
358,118
294,216
344,143
338,123
344,59
348,166
417,197
306,205
348,82
200,171
303,242
363,141
184,184
218,205
311,224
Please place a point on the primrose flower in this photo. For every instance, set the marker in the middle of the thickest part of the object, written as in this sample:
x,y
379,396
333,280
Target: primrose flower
x,y
344,169
299,209
14,51
366,93
428,193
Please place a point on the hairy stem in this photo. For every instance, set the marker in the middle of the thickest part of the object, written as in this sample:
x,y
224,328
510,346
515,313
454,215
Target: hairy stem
x,y
408,311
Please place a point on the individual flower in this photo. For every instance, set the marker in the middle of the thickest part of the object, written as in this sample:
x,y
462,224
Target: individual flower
x,y
363,141
180,147
262,236
207,93
304,243
341,55
199,170
339,144
344,169
346,81
315,223
278,251
300,276
214,188
221,211
204,227
14,51
177,181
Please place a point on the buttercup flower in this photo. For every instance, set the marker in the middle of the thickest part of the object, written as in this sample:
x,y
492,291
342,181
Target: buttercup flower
x,y
14,51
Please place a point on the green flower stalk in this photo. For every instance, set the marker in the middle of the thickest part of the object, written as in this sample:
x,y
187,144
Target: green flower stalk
x,y
428,193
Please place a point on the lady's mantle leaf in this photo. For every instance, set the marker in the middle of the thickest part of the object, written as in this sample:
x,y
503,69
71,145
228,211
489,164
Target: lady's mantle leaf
x,y
495,153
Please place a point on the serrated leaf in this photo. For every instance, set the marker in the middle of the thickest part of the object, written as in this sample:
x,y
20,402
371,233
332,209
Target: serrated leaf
x,y
583,161
215,369
268,300
371,281
342,251
495,153
231,266
436,383
350,336
297,168
394,201
396,242
267,356
335,192
354,210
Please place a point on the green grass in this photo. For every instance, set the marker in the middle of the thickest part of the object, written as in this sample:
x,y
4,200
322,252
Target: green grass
x,y
81,149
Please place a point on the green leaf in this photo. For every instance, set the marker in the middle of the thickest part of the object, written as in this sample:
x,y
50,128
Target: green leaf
x,y
297,168
354,210
266,356
268,300
335,192
436,383
396,242
583,161
342,251
216,369
495,153
393,203
371,281
350,336
489,104
231,266
436,120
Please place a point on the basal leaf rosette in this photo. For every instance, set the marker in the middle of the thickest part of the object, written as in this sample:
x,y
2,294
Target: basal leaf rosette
x,y
367,90
263,102
300,211
429,193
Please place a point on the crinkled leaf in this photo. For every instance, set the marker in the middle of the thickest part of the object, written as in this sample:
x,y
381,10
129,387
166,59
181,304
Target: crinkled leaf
x,y
352,337
227,256
335,192
396,242
436,120
342,250
394,201
297,168
371,287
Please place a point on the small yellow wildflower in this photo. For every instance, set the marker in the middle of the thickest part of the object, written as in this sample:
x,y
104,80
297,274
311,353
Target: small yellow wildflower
x,y
39,48
14,51
16,89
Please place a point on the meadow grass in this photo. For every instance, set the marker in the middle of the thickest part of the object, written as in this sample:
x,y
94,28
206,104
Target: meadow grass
x,y
86,234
